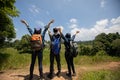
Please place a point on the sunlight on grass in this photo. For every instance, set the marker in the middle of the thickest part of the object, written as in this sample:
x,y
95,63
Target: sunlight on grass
x,y
13,59
101,75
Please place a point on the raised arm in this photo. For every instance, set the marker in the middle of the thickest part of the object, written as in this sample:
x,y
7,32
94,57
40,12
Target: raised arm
x,y
46,28
50,34
26,24
64,38
73,37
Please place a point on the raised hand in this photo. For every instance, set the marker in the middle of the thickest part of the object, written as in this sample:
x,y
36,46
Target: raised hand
x,y
52,21
24,22
77,32
60,30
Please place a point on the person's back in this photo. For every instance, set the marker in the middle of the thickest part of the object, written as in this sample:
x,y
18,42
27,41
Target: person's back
x,y
55,47
37,42
56,43
68,56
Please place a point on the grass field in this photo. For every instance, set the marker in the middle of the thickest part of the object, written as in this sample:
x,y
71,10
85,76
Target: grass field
x,y
11,59
101,75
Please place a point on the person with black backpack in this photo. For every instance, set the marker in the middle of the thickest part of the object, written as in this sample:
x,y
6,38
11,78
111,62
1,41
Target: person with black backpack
x,y
55,47
69,52
37,44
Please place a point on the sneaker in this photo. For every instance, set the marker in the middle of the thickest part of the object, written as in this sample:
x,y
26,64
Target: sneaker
x,y
74,74
58,74
42,77
50,76
69,75
31,77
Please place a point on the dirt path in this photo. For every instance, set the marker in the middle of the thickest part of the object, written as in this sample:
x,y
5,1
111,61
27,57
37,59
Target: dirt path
x,y
23,74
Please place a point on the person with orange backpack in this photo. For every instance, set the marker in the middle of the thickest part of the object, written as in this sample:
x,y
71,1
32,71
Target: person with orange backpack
x,y
37,44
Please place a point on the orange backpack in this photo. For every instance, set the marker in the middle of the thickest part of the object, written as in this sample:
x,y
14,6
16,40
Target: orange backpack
x,y
36,42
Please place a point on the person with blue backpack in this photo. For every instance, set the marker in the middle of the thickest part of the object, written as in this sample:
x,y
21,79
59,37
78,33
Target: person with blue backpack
x,y
37,44
55,47
68,52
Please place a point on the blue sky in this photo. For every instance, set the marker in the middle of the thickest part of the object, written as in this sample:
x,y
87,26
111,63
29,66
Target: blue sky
x,y
90,17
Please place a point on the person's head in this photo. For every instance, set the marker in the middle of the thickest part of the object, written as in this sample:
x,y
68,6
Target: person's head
x,y
68,35
37,30
55,30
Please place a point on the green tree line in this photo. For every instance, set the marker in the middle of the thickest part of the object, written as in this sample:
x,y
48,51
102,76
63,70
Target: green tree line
x,y
103,44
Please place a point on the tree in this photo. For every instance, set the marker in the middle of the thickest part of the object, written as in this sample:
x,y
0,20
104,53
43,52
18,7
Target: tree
x,y
25,43
85,50
101,42
7,12
116,47
113,36
17,45
108,43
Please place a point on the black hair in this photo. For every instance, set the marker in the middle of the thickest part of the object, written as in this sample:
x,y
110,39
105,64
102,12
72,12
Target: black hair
x,y
55,30
37,31
68,35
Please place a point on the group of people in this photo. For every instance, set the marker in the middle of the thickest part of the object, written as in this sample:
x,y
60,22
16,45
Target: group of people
x,y
54,51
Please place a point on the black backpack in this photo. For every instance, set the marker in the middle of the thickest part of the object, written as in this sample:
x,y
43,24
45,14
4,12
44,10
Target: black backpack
x,y
73,48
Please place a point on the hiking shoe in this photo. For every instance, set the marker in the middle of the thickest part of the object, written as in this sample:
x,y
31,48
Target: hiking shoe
x,y
31,77
50,76
74,74
58,74
69,75
42,77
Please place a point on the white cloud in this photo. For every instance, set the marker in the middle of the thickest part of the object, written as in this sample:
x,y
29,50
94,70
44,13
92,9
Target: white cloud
x,y
102,26
34,9
73,23
115,21
73,20
102,4
73,26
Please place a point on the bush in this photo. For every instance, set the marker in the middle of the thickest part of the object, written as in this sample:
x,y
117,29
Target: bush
x,y
101,53
10,59
84,50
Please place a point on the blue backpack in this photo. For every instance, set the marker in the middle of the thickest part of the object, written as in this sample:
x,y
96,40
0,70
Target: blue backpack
x,y
56,45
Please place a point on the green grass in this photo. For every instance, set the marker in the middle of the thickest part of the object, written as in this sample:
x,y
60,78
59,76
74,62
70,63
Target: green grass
x,y
90,60
101,75
10,59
